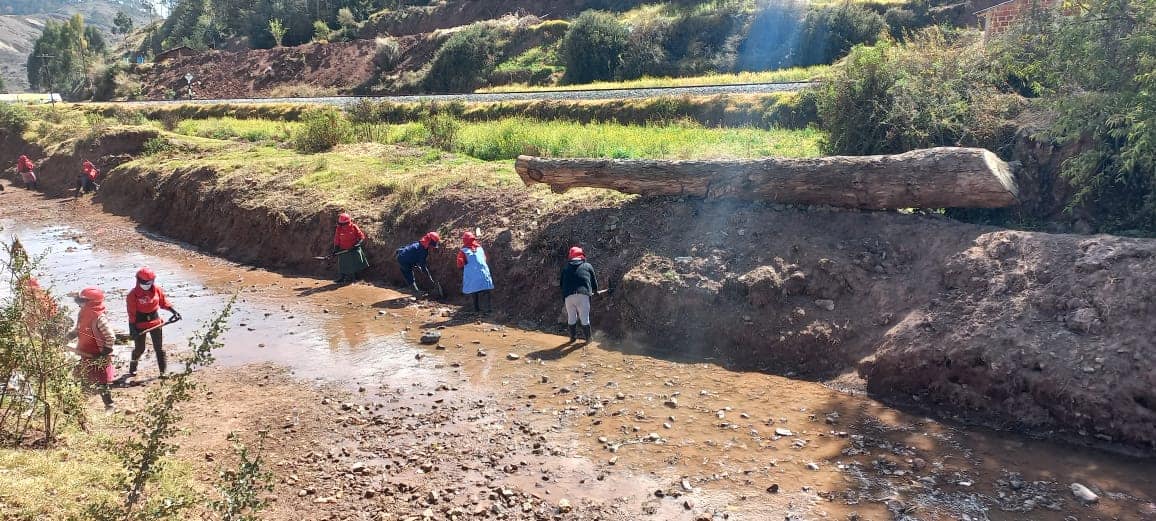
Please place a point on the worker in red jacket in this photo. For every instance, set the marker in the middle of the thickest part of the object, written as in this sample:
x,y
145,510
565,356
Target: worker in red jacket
x,y
25,168
94,343
347,241
87,180
144,302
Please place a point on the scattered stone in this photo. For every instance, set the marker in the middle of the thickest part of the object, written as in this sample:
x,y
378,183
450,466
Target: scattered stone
x,y
688,504
671,402
481,352
826,304
813,466
431,337
1084,493
545,379
773,489
357,468
783,432
564,506
513,356
686,485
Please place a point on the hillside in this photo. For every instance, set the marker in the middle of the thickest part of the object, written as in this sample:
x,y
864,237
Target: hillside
x,y
22,22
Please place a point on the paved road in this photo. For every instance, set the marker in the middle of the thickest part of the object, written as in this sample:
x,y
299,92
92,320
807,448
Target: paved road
x,y
605,94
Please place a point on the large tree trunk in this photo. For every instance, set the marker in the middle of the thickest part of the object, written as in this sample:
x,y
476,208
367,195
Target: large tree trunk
x,y
945,177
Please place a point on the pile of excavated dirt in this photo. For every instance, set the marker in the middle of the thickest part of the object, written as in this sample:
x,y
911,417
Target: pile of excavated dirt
x,y
1043,332
1036,330
343,67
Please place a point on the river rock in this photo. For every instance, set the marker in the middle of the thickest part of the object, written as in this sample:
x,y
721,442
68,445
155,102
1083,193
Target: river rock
x,y
826,304
783,432
431,337
513,356
1084,493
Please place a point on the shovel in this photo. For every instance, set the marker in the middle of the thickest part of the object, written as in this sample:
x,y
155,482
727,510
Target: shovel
x,y
158,326
332,255
434,283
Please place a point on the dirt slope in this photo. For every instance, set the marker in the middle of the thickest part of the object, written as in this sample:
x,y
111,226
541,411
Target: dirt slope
x,y
255,73
1035,331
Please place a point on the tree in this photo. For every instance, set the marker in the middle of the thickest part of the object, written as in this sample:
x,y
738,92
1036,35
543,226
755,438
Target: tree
x,y
593,47
60,57
277,29
828,33
121,24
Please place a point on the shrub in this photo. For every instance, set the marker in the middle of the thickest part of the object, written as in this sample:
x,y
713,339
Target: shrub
x,y
592,49
462,63
901,21
156,145
893,98
387,54
443,130
321,130
829,32
321,31
645,54
13,118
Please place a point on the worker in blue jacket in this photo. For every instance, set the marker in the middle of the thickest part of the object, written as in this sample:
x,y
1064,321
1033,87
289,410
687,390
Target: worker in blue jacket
x,y
416,255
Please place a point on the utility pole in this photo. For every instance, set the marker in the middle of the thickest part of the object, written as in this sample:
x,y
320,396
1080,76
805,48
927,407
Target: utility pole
x,y
44,71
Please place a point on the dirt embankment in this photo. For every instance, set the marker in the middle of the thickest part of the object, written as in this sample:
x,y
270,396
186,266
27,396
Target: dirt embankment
x,y
342,67
1036,331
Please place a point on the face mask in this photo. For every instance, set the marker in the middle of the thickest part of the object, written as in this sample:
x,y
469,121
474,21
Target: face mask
x,y
146,285
343,224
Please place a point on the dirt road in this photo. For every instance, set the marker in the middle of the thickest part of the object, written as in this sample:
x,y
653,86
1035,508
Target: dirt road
x,y
495,422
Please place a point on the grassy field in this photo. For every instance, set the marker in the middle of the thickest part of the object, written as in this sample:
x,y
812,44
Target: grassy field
x,y
779,76
58,483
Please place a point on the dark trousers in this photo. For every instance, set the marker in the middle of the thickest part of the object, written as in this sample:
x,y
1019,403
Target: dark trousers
x,y
486,296
84,184
139,349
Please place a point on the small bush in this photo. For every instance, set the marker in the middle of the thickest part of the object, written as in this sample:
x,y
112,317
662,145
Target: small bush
x,y
592,49
772,39
443,130
321,130
388,53
13,118
901,21
321,32
828,33
463,62
156,145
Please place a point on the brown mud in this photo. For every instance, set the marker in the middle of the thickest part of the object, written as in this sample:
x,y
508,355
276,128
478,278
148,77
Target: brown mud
x,y
805,292
392,429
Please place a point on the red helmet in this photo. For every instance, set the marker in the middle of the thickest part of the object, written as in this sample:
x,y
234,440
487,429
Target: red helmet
x,y
430,240
146,274
344,218
576,253
92,294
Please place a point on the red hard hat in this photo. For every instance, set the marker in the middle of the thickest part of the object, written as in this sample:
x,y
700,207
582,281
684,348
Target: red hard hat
x,y
146,274
92,294
344,218
576,253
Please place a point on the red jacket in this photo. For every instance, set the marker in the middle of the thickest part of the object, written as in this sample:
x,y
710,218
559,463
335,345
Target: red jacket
x,y
346,236
90,170
24,164
89,341
143,306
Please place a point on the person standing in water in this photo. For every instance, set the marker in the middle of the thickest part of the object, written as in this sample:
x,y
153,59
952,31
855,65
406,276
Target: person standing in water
x,y
144,302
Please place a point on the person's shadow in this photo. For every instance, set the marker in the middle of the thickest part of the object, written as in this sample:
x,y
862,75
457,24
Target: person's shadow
x,y
332,286
557,353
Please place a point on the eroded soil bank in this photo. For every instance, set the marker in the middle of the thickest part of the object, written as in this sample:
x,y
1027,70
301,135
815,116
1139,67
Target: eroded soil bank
x,y
1041,332
392,430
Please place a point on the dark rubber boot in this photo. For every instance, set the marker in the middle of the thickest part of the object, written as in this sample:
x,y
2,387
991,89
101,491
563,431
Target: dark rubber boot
x,y
573,332
161,360
586,332
132,368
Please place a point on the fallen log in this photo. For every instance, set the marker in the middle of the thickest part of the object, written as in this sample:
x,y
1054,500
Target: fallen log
x,y
945,177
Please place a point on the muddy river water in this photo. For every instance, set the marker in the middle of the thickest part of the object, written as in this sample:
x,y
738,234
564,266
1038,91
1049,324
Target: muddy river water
x,y
756,446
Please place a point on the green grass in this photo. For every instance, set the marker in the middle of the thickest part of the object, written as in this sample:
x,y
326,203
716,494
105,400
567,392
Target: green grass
x,y
508,138
251,130
783,75
58,483
534,58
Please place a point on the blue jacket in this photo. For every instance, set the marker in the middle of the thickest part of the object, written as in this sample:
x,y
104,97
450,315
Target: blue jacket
x,y
476,273
413,255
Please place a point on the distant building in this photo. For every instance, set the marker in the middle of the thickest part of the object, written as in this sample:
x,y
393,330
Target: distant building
x,y
1000,17
175,52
